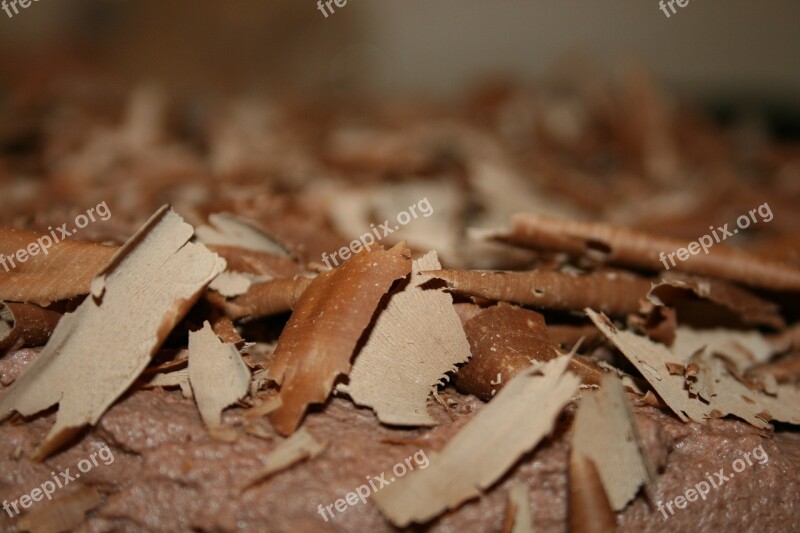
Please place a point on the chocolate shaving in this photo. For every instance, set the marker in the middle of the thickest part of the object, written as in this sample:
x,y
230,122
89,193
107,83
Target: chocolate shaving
x,y
589,509
622,246
567,335
785,370
518,514
504,340
711,298
263,409
416,340
217,374
230,230
257,263
24,325
231,284
98,351
731,396
225,330
742,348
176,378
606,432
511,424
297,448
317,343
65,271
263,299
613,293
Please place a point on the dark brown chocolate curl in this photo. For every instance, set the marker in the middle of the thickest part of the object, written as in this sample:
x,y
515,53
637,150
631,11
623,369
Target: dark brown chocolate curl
x,y
317,343
64,271
257,263
225,329
505,340
618,245
709,302
24,325
589,509
613,293
265,299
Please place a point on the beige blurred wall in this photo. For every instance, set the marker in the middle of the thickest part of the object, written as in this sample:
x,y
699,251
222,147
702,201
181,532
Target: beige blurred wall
x,y
708,46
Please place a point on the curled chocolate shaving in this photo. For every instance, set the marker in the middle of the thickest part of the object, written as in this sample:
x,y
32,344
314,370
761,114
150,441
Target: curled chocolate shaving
x,y
265,299
65,271
317,343
589,510
23,325
711,302
257,263
504,341
614,293
619,245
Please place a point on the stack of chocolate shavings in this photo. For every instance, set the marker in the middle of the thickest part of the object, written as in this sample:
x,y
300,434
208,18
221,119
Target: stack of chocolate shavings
x,y
554,373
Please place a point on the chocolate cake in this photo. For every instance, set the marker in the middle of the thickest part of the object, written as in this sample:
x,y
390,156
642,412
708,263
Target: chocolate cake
x,y
538,308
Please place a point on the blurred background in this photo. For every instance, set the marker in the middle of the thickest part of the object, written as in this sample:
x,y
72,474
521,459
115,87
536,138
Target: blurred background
x,y
579,109
738,51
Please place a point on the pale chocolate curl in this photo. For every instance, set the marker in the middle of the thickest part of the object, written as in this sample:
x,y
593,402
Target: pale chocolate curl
x,y
218,376
318,341
605,431
265,299
299,447
59,271
614,293
511,425
415,342
98,351
23,325
589,510
732,396
518,512
622,246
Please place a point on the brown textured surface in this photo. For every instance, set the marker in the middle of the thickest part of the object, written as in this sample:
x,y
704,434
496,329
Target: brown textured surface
x,y
169,474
